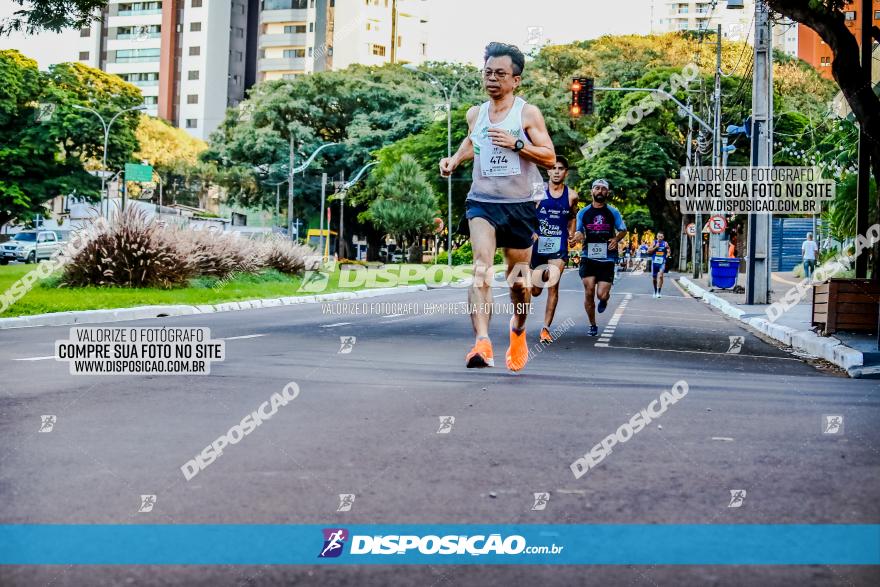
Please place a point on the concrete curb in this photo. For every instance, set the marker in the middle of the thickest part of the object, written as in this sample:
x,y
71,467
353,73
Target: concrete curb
x,y
143,312
805,341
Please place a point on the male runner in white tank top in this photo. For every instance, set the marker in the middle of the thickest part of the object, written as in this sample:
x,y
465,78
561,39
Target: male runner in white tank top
x,y
507,140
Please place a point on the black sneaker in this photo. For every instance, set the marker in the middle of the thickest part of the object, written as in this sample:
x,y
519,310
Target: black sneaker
x,y
594,331
602,305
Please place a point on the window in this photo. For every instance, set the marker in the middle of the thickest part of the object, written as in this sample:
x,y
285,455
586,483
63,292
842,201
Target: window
x,y
312,26
195,27
877,15
310,51
192,99
288,76
825,61
192,122
137,55
849,15
196,3
195,50
85,32
294,29
284,4
193,74
239,56
139,8
83,55
238,32
151,100
294,53
424,48
139,32
379,50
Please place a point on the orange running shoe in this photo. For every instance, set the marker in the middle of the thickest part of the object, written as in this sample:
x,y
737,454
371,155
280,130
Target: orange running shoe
x,y
545,335
517,353
481,355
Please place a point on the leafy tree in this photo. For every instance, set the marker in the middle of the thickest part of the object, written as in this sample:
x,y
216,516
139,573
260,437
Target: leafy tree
x,y
175,155
51,15
44,151
408,205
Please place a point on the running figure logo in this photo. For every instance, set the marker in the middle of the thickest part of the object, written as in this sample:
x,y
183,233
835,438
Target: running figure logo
x,y
736,344
541,500
47,423
446,423
737,497
346,344
334,541
147,503
346,500
832,424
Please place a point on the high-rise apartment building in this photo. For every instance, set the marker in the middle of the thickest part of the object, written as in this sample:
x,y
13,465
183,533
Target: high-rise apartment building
x,y
296,37
813,50
700,15
188,57
192,59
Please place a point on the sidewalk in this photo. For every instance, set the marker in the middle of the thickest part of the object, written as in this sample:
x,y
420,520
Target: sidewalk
x,y
855,352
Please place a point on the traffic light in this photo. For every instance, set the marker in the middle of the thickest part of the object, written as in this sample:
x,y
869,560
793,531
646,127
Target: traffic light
x,y
581,96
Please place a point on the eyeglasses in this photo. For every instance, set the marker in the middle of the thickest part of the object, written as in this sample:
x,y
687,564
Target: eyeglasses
x,y
499,74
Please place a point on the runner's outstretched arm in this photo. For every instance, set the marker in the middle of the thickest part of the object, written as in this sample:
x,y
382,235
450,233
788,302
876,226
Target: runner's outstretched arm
x,y
465,150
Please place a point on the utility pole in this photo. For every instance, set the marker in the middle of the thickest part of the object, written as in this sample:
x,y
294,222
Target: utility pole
x,y
682,252
393,32
323,197
716,152
290,188
758,272
340,239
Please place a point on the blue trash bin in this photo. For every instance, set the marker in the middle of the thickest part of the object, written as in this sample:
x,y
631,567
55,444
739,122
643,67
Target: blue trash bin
x,y
724,271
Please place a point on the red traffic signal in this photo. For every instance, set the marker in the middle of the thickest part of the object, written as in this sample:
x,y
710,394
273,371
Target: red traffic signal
x,y
581,96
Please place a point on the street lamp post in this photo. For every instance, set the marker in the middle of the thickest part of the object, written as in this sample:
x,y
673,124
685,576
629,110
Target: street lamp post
x,y
448,94
341,196
106,126
291,171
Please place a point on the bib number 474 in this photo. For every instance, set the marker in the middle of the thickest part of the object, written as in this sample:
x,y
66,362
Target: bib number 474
x,y
498,159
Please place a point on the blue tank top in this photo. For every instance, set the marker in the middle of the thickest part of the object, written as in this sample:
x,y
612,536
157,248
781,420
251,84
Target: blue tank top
x,y
662,252
553,216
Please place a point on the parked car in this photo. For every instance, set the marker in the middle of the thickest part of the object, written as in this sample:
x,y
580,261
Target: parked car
x,y
30,246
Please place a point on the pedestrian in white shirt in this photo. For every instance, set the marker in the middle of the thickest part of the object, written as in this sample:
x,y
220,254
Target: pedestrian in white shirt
x,y
809,253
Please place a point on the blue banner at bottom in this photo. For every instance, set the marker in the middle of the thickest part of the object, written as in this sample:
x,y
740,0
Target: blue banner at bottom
x,y
600,544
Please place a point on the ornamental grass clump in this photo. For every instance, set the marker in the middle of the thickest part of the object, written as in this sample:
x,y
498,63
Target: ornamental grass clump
x,y
135,251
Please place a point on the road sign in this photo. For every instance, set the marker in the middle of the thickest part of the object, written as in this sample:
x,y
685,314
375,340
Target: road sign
x,y
691,229
137,172
717,224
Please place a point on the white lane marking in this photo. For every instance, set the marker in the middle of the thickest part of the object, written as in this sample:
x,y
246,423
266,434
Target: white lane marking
x,y
608,332
722,438
641,348
334,325
244,337
36,358
393,315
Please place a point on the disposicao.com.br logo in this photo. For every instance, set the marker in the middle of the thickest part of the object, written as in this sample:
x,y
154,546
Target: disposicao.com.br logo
x,y
494,544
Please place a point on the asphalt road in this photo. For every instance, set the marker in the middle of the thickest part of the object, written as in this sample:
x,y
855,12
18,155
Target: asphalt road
x,y
366,423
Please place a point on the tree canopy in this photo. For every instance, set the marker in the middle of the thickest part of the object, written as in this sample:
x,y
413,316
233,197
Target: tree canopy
x,y
47,143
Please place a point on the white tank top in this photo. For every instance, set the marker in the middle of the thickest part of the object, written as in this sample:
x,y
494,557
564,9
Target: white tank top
x,y
500,175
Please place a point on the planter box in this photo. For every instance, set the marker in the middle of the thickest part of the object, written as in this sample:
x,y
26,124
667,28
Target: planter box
x,y
846,304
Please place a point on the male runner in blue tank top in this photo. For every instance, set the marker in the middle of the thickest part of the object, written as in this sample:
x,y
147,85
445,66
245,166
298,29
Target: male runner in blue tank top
x,y
556,220
600,227
661,252
507,139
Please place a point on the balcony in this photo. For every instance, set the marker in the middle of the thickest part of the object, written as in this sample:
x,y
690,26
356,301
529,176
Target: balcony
x,y
139,12
137,36
282,40
283,64
294,15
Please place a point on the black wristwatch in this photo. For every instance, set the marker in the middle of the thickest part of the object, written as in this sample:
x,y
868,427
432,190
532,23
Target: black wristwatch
x,y
518,146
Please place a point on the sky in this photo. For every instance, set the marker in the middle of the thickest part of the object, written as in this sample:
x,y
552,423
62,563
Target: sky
x,y
458,29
